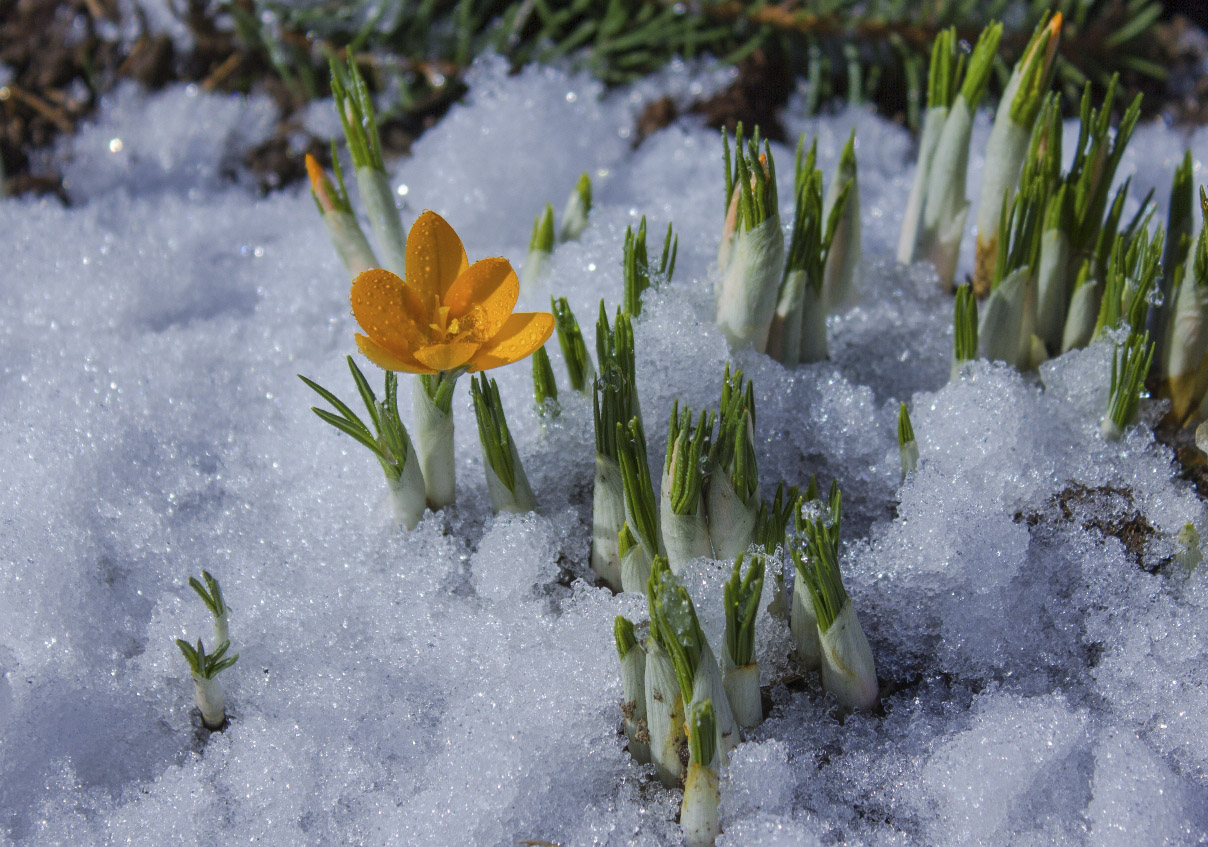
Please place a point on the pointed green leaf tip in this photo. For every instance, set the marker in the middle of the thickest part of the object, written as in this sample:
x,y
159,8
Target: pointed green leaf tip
x,y
545,387
683,466
773,518
753,177
493,431
210,594
626,638
543,231
981,62
702,733
741,599
905,430
574,350
965,325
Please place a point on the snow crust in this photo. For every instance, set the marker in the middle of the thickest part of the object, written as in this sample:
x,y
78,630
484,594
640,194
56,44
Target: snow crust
x,y
458,684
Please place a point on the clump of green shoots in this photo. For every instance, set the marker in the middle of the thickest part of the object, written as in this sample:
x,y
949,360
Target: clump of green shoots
x,y
636,268
541,245
681,502
388,441
506,481
732,499
741,597
207,689
844,249
771,534
848,671
798,328
1130,367
803,620
908,447
937,208
579,365
751,255
576,211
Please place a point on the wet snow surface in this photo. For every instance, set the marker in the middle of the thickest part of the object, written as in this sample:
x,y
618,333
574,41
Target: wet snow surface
x,y
1043,684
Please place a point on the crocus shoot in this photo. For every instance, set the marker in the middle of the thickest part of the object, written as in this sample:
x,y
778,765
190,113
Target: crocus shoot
x,y
211,596
702,792
545,387
633,684
681,504
1130,367
541,245
388,441
733,495
751,255
207,689
336,209
848,671
964,335
741,675
641,511
907,446
579,366
506,480
576,211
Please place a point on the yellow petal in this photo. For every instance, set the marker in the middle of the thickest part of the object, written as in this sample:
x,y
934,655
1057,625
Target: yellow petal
x,y
446,357
386,360
521,335
435,257
488,289
388,311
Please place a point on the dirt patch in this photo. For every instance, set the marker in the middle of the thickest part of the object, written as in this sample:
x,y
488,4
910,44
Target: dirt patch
x,y
1105,509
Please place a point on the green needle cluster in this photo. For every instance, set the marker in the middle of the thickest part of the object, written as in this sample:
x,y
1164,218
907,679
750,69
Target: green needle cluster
x,y
741,598
203,665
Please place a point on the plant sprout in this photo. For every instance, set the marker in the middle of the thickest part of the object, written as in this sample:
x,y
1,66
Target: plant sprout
x,y
506,480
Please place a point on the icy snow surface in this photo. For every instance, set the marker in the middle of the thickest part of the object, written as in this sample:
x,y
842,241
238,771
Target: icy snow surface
x,y
458,684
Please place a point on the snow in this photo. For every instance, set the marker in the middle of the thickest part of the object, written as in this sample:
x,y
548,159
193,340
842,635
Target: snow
x,y
458,684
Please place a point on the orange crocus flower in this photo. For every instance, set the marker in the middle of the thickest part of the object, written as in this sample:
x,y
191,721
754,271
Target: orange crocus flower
x,y
447,315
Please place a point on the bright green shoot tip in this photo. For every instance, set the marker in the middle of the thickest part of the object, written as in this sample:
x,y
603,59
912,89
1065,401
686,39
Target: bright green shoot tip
x,y
205,666
545,387
388,441
579,366
493,430
1130,367
623,632
741,597
636,269
981,63
542,238
965,325
210,594
640,506
355,107
905,430
686,448
773,520
818,568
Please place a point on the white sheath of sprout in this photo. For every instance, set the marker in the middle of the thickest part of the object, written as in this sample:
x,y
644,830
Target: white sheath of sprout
x,y
633,684
664,714
1186,366
607,517
1052,284
1083,312
434,436
343,230
1002,328
740,677
929,142
699,816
